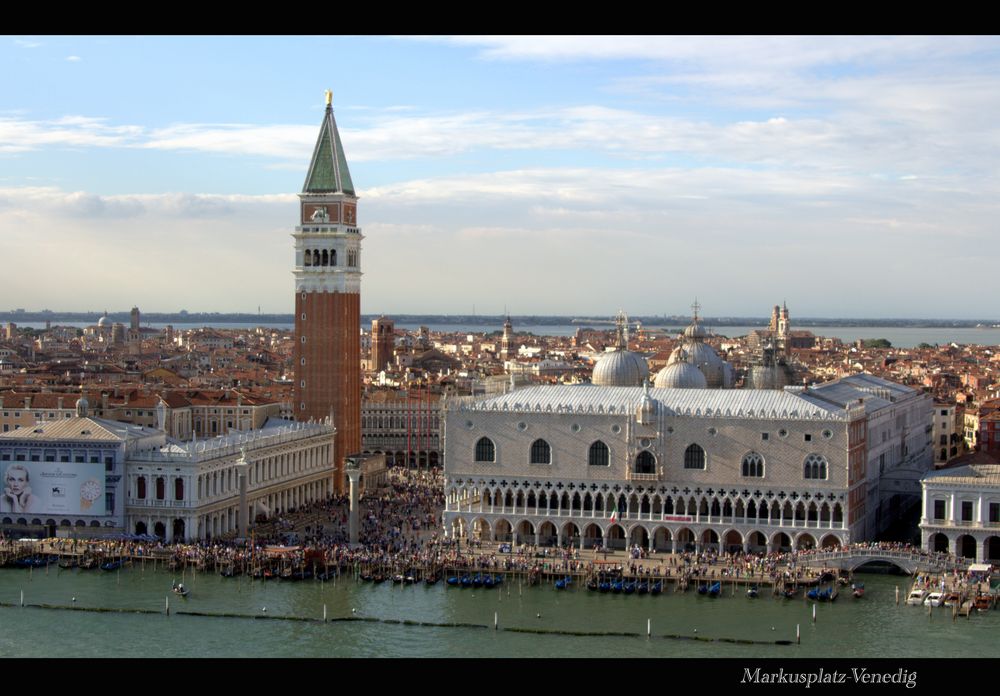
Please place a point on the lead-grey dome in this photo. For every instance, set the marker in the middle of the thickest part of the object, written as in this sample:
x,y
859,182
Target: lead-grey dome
x,y
681,374
620,368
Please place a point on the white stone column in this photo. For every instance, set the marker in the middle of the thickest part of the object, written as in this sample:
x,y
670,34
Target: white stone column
x,y
354,474
242,466
952,517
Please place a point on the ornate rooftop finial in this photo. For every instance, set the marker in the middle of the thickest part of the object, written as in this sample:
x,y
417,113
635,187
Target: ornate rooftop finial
x,y
329,98
695,307
621,324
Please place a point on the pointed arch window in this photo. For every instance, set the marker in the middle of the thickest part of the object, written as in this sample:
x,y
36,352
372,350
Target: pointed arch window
x,y
485,450
694,457
600,455
541,452
815,467
753,465
645,463
308,257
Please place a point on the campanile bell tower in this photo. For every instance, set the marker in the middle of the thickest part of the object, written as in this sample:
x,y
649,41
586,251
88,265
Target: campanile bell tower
x,y
328,296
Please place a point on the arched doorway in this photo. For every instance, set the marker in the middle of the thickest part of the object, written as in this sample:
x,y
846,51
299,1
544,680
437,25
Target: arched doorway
x,y
481,529
733,541
141,528
547,534
685,539
781,542
662,540
502,531
830,541
525,532
965,546
616,537
593,536
160,530
571,534
939,543
709,540
639,537
805,542
178,530
758,542
991,548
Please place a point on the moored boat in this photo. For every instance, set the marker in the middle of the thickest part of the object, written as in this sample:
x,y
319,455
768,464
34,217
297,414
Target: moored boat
x,y
752,592
858,590
715,590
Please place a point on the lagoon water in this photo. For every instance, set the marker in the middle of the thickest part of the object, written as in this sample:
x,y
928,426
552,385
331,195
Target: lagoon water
x,y
898,336
869,627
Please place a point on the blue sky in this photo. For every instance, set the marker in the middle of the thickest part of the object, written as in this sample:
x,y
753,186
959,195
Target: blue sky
x,y
850,176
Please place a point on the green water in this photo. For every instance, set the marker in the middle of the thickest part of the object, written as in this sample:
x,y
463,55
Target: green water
x,y
870,627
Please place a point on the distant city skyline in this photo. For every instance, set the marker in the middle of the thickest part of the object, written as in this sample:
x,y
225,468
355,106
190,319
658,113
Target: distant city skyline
x,y
849,176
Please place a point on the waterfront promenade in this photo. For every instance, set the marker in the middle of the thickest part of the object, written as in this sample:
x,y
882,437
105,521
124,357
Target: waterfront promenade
x,y
400,539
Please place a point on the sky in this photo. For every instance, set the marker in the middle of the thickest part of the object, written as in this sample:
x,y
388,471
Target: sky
x,y
847,176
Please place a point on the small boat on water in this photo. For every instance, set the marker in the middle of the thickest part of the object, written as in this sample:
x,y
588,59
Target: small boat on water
x,y
466,581
629,587
715,589
69,563
111,565
432,579
934,599
951,599
592,585
983,602
452,581
752,592
790,592
821,595
477,580
656,588
563,583
858,590
703,589
617,587
642,587
179,589
917,597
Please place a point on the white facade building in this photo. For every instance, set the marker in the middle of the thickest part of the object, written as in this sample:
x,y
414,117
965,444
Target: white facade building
x,y
961,511
670,469
191,490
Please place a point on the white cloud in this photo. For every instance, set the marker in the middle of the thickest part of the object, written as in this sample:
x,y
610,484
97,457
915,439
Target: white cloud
x,y
74,59
24,43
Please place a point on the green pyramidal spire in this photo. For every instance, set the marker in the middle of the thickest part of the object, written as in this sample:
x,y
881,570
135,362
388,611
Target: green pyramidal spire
x,y
328,171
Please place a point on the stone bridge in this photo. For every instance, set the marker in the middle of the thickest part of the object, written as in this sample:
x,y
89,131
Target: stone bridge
x,y
909,562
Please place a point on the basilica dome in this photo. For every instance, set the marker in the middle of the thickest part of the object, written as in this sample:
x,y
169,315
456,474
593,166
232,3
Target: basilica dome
x,y
681,374
620,368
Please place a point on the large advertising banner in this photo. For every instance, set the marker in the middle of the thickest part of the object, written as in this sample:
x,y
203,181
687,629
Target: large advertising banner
x,y
52,488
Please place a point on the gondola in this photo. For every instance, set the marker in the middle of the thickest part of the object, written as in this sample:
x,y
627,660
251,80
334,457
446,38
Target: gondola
x,y
656,588
789,592
715,590
629,587
179,589
466,581
752,592
477,580
488,581
593,585
452,581
642,587
111,565
858,590
564,583
703,589
432,579
617,587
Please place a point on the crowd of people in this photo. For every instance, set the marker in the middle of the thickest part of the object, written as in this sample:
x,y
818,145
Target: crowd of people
x,y
399,529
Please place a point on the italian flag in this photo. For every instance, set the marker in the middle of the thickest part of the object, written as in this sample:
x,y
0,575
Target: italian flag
x,y
614,514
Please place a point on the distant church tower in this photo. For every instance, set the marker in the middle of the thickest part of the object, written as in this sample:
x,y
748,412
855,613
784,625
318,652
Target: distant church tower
x,y
506,340
328,296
